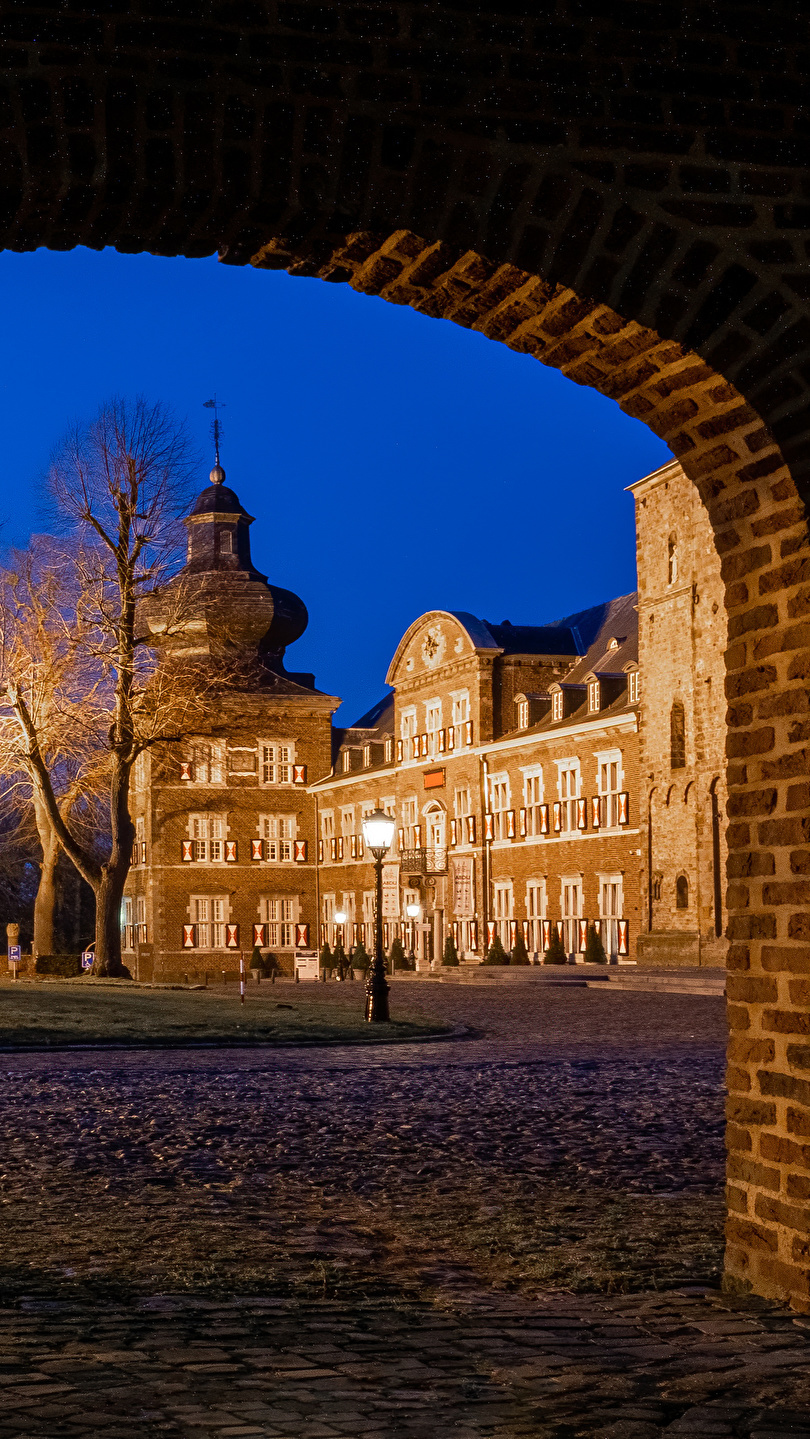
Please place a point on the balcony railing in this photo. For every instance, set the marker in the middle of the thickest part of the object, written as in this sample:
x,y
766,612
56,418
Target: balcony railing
x,y
424,861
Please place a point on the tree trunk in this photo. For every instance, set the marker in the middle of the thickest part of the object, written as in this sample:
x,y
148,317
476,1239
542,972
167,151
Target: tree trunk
x,y
46,897
109,896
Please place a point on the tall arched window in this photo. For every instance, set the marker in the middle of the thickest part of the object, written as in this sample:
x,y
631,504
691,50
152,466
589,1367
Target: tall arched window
x,y
677,736
672,559
682,892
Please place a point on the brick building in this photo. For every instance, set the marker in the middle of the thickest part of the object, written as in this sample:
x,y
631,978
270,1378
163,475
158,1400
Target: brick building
x,y
224,821
539,775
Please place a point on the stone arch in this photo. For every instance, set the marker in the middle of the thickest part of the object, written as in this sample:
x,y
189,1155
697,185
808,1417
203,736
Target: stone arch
x,y
556,189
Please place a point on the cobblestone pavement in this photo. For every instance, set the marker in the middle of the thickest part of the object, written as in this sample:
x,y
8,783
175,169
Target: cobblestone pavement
x,y
512,1232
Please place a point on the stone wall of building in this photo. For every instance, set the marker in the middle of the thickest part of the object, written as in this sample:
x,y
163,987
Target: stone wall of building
x,y
682,642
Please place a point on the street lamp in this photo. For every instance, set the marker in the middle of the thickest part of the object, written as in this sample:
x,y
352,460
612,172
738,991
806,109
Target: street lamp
x,y
378,832
413,912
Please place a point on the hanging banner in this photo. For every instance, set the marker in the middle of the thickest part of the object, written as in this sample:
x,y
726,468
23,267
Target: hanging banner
x,y
390,891
464,887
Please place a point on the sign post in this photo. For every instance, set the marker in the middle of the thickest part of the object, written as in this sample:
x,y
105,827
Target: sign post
x,y
241,976
14,957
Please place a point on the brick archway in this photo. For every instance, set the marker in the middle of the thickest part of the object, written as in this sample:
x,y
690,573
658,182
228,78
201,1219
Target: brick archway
x,y
637,223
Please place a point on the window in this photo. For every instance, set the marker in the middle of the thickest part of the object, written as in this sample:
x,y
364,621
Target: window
x,y
499,804
127,931
672,559
205,762
461,715
226,542
533,799
389,751
633,687
523,714
504,912
327,825
571,906
276,760
433,723
609,783
611,906
139,771
535,914
366,755
568,784
279,912
346,761
407,729
208,914
557,705
207,833
347,821
677,736
140,830
410,825
594,696
369,913
461,803
682,892
278,832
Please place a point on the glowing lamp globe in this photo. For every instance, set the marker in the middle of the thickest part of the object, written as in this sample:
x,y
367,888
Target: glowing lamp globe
x,y
378,832
413,911
340,916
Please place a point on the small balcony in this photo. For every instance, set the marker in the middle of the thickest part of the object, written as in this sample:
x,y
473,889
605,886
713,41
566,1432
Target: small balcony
x,y
423,861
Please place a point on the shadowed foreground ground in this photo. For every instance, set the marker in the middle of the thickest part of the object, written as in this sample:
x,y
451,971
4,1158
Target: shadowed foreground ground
x,y
512,1233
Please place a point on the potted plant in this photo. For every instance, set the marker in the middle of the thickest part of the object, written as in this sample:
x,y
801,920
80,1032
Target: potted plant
x,y
256,965
359,959
396,956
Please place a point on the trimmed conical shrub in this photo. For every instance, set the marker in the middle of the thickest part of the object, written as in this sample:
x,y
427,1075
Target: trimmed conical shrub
x,y
555,954
256,960
396,956
358,959
594,948
520,954
326,960
450,956
340,963
497,954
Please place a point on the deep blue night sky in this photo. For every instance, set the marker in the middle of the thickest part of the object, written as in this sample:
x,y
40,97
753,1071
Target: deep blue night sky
x,y
394,463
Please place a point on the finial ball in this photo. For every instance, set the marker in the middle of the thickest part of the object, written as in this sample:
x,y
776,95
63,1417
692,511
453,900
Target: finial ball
x,y
217,475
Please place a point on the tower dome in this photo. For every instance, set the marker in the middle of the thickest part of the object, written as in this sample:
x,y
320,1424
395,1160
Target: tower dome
x,y
219,603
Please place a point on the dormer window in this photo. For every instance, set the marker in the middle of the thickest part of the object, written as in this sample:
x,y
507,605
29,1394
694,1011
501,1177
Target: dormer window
x,y
614,644
523,714
347,761
366,755
594,696
633,687
557,705
389,751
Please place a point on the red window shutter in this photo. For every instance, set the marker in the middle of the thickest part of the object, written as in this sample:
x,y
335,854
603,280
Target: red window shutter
x,y
361,848
353,846
510,824
471,828
399,751
546,923
454,831
257,849
490,933
596,812
417,834
340,846
557,816
230,851
525,923
423,744
355,933
451,738
259,934
512,933
302,936
189,936
324,934
544,819
473,934
232,936
582,814
597,924
300,851
560,928
333,848
185,769
414,746
143,851
456,929
386,933
624,807
299,774
133,859
488,827
442,741
468,731
624,947
583,935
186,851
524,824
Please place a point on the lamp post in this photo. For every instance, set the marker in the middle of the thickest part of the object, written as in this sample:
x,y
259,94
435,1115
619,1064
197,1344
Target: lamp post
x,y
413,912
378,832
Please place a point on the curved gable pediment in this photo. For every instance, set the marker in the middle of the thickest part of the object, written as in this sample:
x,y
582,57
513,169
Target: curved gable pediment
x,y
437,639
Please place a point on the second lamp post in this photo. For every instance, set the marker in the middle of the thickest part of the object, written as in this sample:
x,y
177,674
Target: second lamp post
x,y
378,832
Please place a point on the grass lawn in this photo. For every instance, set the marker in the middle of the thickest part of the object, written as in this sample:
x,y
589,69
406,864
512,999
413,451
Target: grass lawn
x,y
83,1011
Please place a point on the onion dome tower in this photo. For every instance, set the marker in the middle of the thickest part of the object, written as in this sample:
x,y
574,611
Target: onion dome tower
x,y
219,604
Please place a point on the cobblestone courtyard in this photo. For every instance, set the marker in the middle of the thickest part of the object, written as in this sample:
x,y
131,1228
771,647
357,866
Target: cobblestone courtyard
x,y
513,1231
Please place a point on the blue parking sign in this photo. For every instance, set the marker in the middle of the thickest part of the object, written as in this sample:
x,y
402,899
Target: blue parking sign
x,y
15,954
87,958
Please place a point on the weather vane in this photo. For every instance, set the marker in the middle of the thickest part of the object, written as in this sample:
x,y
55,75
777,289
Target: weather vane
x,y
216,428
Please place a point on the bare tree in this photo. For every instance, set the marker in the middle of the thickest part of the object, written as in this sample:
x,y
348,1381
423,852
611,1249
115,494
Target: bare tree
x,y
121,484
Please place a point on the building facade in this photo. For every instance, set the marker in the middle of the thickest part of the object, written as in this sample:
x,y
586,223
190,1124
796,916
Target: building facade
x,y
541,776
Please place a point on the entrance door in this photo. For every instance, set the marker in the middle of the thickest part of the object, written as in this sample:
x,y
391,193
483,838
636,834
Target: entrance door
x,y
571,913
437,854
610,909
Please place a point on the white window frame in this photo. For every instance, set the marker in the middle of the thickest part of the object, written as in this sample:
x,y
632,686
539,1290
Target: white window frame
x,y
594,696
327,825
279,912
206,760
433,723
536,912
503,908
207,833
633,686
500,800
523,714
609,785
279,833
209,914
347,828
611,910
571,886
534,794
460,712
408,727
567,793
275,763
557,705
